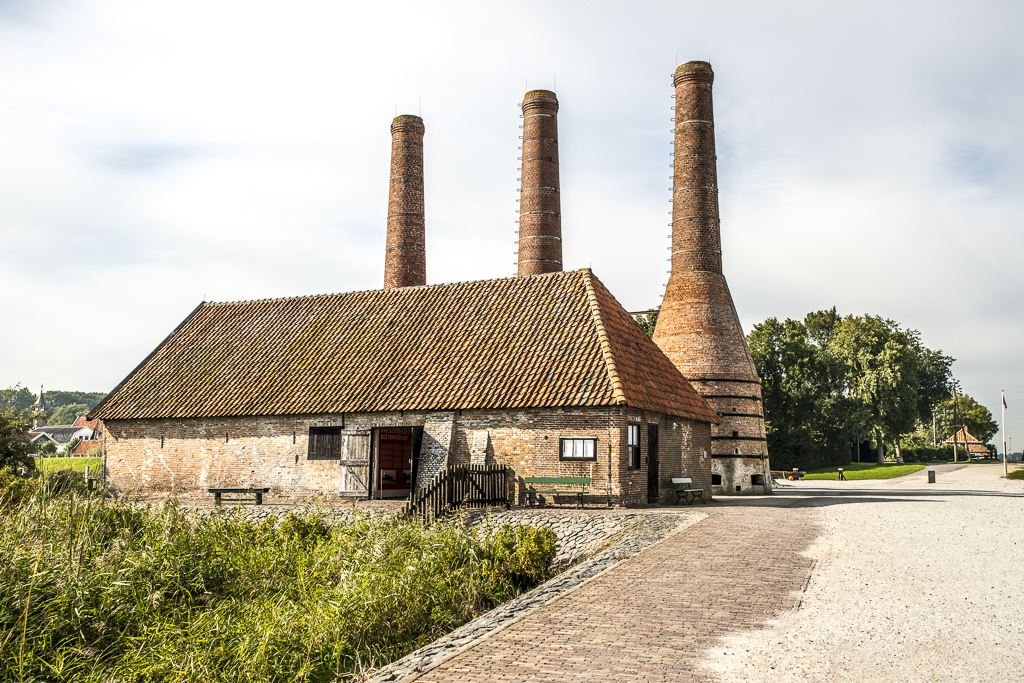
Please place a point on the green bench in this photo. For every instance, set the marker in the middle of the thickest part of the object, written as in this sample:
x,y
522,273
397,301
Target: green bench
x,y
582,482
256,493
683,487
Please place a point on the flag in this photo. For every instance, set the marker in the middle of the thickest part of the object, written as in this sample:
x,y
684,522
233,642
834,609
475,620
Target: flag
x,y
1004,403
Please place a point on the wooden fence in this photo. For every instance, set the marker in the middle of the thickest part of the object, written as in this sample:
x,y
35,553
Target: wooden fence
x,y
460,486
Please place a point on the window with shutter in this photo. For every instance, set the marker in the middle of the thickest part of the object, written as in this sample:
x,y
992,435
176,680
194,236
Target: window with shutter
x,y
324,443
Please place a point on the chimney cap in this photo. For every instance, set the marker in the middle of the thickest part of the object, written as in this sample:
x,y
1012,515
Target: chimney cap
x,y
693,71
539,94
407,121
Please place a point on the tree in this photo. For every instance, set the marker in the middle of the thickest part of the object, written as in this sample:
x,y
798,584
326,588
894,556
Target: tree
x,y
976,417
15,423
895,379
648,321
807,415
22,398
67,414
55,399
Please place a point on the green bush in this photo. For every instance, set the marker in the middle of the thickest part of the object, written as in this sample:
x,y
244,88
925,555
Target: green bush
x,y
102,590
919,453
524,553
15,488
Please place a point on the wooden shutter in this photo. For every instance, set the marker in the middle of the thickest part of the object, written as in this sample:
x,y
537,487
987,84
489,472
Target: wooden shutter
x,y
324,443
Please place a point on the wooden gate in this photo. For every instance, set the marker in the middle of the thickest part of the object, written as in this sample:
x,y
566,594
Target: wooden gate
x,y
459,486
355,465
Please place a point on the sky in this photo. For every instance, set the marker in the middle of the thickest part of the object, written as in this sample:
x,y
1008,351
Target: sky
x,y
159,154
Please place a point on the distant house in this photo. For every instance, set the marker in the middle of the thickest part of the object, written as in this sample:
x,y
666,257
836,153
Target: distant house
x,y
372,393
89,431
975,448
61,435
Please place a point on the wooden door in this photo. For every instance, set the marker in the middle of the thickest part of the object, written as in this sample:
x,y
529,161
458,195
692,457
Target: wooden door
x,y
355,465
653,482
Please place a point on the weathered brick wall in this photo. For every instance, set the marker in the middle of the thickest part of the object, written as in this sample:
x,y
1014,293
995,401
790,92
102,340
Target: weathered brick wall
x,y
437,446
540,217
405,261
698,328
193,454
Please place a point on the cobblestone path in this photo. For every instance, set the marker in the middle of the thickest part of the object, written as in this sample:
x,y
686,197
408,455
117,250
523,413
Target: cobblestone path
x,y
649,617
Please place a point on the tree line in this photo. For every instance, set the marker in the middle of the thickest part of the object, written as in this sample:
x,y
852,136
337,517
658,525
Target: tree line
x,y
830,383
62,407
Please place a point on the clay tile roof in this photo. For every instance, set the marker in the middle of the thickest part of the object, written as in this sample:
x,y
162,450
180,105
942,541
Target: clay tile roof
x,y
83,447
91,424
964,436
543,341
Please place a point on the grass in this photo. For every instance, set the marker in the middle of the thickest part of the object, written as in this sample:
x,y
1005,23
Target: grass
x,y
74,464
864,470
1017,474
98,590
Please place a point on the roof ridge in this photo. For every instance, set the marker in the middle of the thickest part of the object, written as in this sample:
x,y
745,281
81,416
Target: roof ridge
x,y
382,289
618,394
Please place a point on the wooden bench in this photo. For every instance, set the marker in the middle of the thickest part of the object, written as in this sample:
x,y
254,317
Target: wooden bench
x,y
256,493
683,487
582,482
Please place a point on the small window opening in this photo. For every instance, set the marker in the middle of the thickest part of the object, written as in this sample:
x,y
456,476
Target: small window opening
x,y
735,435
225,437
293,436
633,445
736,451
734,409
757,479
738,488
161,442
716,479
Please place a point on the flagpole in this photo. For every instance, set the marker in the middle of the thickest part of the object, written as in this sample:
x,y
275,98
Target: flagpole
x,y
1002,399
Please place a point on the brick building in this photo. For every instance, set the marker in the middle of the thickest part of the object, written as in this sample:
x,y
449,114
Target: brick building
x,y
697,326
370,393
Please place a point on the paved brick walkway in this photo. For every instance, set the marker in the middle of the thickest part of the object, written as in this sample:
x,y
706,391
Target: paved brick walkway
x,y
649,617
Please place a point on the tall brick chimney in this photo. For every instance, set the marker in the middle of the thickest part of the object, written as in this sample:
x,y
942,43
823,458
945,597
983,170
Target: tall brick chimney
x,y
698,328
405,260
540,213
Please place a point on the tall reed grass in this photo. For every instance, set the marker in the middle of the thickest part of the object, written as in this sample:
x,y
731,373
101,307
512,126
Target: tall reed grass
x,y
96,589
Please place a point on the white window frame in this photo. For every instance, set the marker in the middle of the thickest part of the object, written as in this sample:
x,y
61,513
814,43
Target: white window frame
x,y
580,448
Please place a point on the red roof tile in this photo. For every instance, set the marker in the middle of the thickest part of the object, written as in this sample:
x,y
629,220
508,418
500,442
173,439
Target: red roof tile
x,y
550,340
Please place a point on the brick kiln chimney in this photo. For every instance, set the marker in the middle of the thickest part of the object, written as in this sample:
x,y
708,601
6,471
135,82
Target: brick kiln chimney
x,y
405,260
540,217
698,328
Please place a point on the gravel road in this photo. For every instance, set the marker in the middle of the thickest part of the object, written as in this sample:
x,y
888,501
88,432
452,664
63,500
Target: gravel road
x,y
912,582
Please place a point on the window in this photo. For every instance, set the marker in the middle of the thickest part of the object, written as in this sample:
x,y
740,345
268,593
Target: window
x,y
577,448
324,443
716,479
633,445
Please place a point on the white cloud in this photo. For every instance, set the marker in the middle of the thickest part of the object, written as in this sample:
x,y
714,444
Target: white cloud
x,y
870,157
